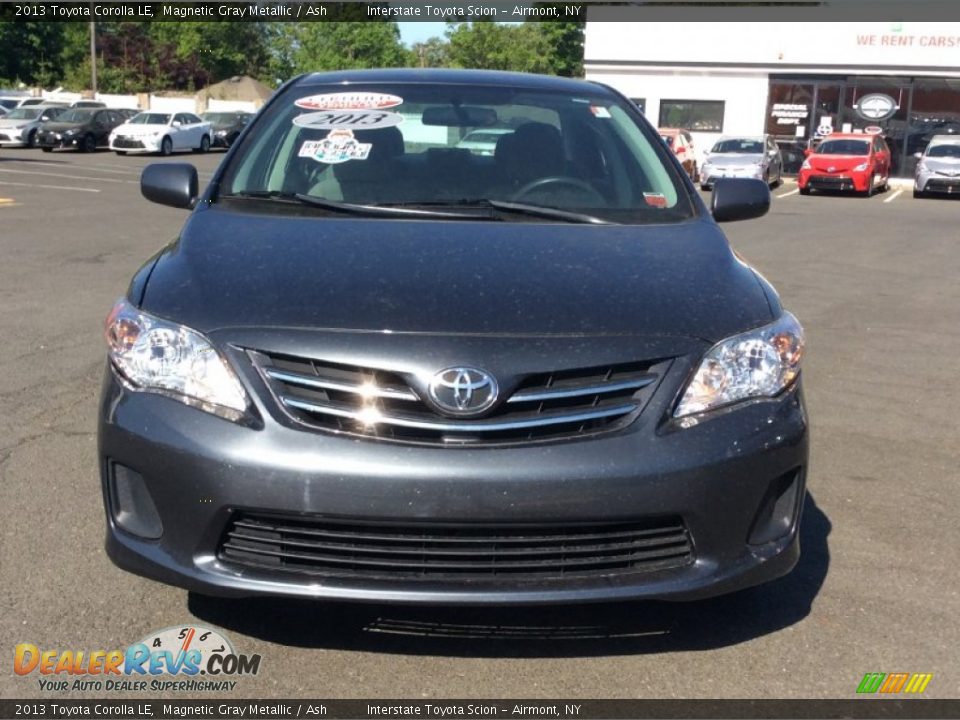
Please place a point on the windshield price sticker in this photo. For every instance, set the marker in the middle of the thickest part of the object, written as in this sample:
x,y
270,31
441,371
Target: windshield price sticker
x,y
348,101
350,119
337,147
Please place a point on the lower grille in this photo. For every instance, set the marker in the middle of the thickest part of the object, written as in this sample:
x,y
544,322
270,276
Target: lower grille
x,y
4,138
943,185
122,142
435,551
831,182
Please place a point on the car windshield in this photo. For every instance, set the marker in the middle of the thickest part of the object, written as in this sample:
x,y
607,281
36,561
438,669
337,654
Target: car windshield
x,y
149,119
8,104
22,113
752,147
944,151
397,145
844,147
76,116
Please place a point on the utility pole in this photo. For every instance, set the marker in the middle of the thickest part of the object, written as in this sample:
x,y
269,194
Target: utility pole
x,y
93,57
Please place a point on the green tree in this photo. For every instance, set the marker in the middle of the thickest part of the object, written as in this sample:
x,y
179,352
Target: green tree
x,y
495,46
208,52
564,41
431,53
346,45
30,52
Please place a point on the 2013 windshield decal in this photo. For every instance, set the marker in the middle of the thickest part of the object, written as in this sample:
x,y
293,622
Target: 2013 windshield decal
x,y
348,119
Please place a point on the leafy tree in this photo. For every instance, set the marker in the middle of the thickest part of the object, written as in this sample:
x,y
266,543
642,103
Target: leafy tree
x,y
564,41
30,52
495,46
431,53
342,45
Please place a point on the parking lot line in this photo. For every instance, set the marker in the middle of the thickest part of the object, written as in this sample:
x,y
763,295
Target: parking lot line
x,y
50,187
94,168
69,177
788,194
894,196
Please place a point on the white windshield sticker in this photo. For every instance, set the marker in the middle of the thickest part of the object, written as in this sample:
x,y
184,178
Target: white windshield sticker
x,y
349,101
349,119
599,111
337,147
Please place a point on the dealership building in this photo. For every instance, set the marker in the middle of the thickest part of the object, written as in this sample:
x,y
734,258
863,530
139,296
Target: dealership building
x,y
796,81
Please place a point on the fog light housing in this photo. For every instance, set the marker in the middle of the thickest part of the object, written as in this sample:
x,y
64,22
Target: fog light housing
x,y
131,504
779,509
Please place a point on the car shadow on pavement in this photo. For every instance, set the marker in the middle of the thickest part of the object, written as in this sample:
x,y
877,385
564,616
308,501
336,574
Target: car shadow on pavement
x,y
627,628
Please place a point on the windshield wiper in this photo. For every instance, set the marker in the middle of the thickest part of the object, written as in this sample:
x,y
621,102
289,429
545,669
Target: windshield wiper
x,y
521,209
358,209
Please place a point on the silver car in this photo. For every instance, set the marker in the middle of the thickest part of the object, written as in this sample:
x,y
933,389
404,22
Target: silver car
x,y
19,126
742,157
939,168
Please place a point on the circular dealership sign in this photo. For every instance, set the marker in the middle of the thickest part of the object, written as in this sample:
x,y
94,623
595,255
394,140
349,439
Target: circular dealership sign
x,y
876,107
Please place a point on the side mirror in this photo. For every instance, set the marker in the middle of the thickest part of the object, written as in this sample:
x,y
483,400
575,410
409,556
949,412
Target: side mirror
x,y
176,123
918,155
44,118
807,152
173,184
739,199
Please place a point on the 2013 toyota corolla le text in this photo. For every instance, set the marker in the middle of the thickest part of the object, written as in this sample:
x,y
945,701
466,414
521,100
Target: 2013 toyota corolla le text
x,y
379,365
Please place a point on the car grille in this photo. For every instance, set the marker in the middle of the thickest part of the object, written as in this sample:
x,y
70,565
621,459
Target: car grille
x,y
432,551
125,142
4,138
381,404
937,183
831,182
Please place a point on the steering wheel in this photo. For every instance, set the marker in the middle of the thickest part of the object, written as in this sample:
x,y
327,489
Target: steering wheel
x,y
594,197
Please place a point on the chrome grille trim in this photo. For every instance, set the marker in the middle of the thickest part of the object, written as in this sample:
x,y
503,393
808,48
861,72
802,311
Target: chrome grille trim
x,y
560,393
469,426
325,384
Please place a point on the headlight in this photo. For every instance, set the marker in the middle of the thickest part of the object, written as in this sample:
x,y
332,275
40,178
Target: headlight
x,y
861,167
806,164
68,133
161,356
755,364
221,133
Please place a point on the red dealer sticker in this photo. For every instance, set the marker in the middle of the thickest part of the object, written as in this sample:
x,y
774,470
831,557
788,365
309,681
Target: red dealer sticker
x,y
349,101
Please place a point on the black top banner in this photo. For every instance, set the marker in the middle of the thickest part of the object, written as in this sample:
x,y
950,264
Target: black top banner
x,y
253,709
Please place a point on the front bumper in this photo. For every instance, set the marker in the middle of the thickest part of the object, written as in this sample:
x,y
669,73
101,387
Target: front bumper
x,y
933,182
201,471
135,144
58,141
844,182
709,175
12,138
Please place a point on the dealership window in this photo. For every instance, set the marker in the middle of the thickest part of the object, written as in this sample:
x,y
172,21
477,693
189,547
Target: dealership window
x,y
703,115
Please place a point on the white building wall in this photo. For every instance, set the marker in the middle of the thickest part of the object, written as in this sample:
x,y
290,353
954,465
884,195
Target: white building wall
x,y
159,103
232,106
744,96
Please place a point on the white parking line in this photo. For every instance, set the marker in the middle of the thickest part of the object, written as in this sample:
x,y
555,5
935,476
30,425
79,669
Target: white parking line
x,y
788,194
63,176
95,168
50,187
894,196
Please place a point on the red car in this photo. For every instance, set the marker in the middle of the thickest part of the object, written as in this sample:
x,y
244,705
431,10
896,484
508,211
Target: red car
x,y
844,161
681,142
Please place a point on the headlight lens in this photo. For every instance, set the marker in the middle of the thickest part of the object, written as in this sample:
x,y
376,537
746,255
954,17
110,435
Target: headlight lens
x,y
861,167
161,356
806,164
67,133
755,364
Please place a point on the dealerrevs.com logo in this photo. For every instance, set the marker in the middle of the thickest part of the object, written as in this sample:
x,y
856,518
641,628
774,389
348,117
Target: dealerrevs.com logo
x,y
185,658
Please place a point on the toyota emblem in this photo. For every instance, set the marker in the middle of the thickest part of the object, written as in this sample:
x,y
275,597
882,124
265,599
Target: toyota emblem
x,y
463,390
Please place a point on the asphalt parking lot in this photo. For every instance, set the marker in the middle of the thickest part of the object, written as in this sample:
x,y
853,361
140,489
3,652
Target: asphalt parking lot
x,y
874,281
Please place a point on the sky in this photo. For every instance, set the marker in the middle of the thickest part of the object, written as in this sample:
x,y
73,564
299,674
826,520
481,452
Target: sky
x,y
414,32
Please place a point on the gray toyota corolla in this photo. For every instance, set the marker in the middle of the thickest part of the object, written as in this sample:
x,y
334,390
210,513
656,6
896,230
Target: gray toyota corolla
x,y
378,366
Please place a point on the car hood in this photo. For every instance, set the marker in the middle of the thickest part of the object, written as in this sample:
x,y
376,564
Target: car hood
x,y
139,129
234,269
11,123
837,162
735,159
54,126
947,165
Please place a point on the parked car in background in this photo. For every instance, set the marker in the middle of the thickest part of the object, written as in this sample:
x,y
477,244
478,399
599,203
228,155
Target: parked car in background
x,y
83,129
88,104
20,126
938,169
434,376
9,102
483,142
681,142
127,113
742,156
164,133
226,126
846,161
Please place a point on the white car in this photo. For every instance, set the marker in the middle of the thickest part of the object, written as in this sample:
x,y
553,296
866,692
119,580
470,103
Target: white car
x,y
164,133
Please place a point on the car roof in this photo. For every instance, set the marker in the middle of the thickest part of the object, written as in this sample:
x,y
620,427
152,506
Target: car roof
x,y
945,140
429,76
850,136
